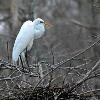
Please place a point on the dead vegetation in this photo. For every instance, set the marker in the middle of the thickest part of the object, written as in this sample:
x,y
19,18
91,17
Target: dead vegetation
x,y
70,78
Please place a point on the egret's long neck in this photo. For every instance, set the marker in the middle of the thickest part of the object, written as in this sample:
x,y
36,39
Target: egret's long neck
x,y
38,31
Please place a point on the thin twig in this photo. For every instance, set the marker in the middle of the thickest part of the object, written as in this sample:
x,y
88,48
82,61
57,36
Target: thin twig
x,y
8,50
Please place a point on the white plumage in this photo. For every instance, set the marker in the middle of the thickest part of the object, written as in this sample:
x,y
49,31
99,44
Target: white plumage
x,y
28,32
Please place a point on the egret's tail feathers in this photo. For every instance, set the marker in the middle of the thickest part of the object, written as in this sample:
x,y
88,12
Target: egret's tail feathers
x,y
15,56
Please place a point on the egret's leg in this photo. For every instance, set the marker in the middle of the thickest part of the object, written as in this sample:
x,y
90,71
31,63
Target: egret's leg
x,y
21,62
26,58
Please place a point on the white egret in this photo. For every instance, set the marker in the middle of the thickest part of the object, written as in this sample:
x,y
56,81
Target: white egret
x,y
29,31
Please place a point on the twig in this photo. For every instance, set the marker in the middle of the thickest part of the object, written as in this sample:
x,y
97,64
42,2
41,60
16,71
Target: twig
x,y
90,93
79,23
8,50
53,62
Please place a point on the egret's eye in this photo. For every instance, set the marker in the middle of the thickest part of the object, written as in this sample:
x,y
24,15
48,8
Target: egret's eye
x,y
41,22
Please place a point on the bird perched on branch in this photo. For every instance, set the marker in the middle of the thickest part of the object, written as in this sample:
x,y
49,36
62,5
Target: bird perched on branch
x,y
29,31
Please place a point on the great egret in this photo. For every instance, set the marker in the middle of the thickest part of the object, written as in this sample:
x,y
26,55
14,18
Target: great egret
x,y
24,40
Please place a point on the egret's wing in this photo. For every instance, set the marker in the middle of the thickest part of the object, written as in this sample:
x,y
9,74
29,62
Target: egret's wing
x,y
25,31
23,39
30,45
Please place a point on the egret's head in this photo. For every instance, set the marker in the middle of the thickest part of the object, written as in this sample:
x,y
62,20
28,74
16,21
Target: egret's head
x,y
38,21
39,24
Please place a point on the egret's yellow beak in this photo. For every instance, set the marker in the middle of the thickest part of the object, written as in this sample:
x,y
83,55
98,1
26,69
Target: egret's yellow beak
x,y
48,24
